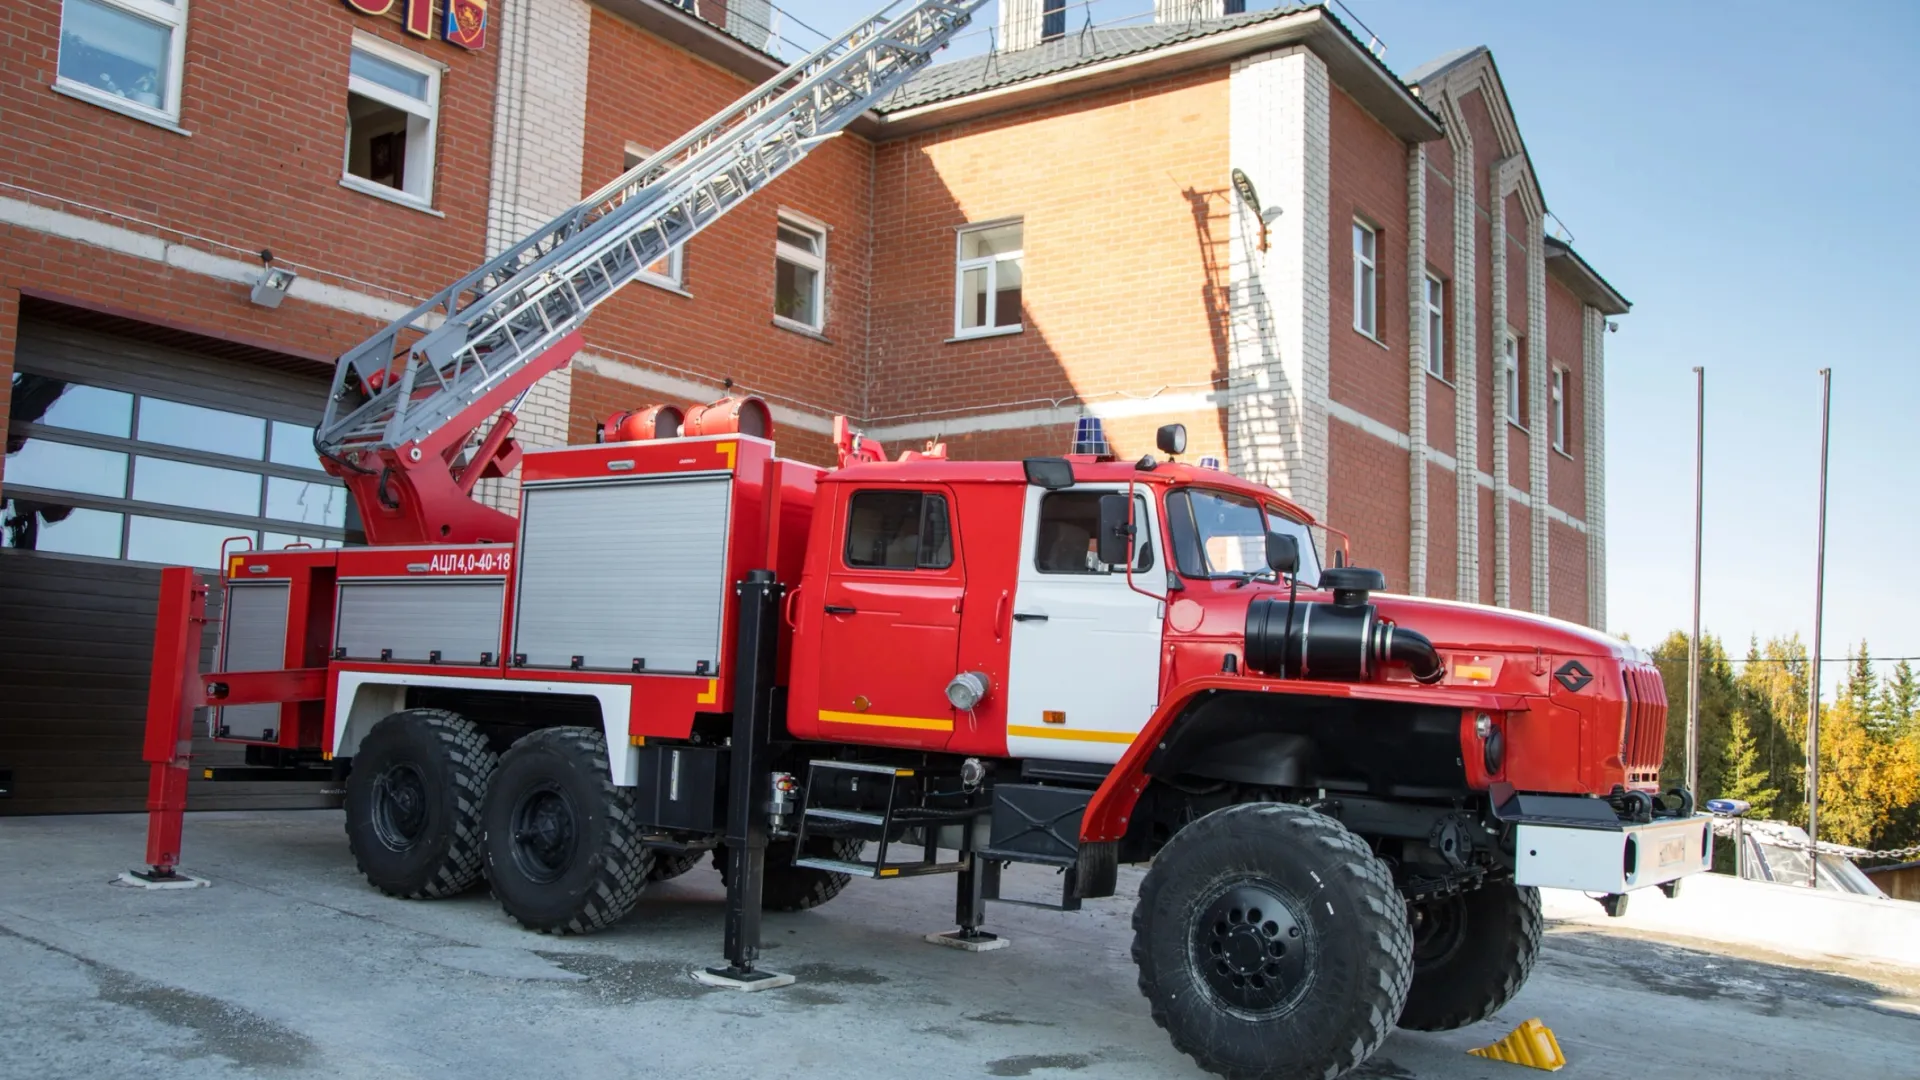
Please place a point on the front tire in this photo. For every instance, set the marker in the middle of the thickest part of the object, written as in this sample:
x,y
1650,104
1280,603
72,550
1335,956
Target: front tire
x,y
413,803
1272,944
562,845
1471,954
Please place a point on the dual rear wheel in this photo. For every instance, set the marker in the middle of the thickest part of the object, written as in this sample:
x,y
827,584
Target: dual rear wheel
x,y
431,809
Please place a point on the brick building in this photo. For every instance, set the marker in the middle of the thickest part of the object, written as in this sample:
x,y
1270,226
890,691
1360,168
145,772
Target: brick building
x,y
1242,222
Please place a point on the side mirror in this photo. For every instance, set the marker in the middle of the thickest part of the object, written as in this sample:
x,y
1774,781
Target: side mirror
x,y
1171,439
1051,473
1115,545
1283,553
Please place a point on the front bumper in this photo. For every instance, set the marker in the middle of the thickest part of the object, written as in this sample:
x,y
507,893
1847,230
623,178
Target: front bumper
x,y
1612,860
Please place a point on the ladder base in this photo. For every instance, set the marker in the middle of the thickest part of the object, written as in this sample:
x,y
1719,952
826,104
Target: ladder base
x,y
976,942
727,978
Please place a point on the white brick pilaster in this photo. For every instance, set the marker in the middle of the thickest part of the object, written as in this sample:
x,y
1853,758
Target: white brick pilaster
x,y
1466,358
1278,325
539,137
1020,22
1497,260
1537,392
1417,369
1593,448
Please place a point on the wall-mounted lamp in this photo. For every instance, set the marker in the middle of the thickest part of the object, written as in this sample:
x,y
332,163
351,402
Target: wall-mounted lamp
x,y
1251,199
273,284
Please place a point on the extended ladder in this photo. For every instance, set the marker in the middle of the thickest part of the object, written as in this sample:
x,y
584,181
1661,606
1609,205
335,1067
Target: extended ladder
x,y
456,353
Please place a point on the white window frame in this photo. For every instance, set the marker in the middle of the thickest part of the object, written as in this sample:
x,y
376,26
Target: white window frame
x,y
420,152
1558,416
1510,364
675,278
172,16
816,263
991,264
1436,326
1366,281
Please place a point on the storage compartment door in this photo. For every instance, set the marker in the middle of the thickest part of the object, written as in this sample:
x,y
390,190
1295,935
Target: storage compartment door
x,y
624,573
410,621
254,639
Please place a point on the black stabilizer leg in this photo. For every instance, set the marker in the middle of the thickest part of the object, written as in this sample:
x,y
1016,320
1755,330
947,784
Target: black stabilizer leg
x,y
970,906
748,792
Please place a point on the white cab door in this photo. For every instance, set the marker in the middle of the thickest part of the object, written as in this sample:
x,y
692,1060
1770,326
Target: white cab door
x,y
1085,671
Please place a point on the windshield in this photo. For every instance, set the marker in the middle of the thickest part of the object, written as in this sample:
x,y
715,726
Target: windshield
x,y
1218,534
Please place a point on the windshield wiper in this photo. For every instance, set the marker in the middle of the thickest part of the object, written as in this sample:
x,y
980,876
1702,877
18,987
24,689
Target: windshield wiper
x,y
1244,577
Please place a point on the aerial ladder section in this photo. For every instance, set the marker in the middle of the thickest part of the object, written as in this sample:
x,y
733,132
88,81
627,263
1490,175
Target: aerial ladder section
x,y
406,405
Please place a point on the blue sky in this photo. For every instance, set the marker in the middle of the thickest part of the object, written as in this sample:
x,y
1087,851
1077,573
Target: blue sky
x,y
1745,175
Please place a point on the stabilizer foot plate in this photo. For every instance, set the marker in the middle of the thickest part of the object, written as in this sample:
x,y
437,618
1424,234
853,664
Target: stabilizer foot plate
x,y
745,981
143,879
979,941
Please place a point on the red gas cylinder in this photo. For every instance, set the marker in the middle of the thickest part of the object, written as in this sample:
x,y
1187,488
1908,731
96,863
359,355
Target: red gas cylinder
x,y
637,425
730,416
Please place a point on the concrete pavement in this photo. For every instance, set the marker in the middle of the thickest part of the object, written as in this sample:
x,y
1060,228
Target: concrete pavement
x,y
291,966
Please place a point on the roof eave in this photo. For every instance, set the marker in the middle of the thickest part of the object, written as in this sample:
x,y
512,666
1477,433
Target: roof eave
x,y
1354,69
703,39
1580,278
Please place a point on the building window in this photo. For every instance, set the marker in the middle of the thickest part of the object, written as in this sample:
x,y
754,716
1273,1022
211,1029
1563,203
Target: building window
x,y
987,280
1510,372
393,105
118,475
1436,327
898,530
800,272
126,54
1366,288
668,270
1559,412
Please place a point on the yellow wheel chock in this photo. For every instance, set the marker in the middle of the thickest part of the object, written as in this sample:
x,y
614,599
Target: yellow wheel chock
x,y
1531,1044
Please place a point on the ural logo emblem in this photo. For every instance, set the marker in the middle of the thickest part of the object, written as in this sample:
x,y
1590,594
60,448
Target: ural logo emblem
x,y
1574,676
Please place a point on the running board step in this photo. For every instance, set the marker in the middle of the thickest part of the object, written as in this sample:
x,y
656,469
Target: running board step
x,y
879,870
858,816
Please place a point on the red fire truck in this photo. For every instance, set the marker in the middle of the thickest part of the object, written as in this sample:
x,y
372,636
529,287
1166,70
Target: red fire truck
x,y
684,645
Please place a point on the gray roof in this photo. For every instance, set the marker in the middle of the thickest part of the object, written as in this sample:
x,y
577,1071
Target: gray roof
x,y
1441,63
1076,49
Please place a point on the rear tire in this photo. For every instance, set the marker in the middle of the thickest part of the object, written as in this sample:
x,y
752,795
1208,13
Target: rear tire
x,y
562,846
787,887
670,865
413,803
1472,953
1272,944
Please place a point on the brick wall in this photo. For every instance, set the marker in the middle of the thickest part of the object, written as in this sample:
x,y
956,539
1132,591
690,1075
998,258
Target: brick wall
x,y
645,92
172,223
9,333
1566,472
1124,200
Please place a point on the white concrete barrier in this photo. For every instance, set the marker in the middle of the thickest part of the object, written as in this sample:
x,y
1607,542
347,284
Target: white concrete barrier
x,y
1783,918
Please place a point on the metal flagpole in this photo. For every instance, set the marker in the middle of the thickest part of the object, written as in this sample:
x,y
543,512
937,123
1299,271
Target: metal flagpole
x,y
1693,642
1813,689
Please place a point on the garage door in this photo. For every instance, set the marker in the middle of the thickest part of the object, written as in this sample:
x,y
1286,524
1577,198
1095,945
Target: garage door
x,y
123,457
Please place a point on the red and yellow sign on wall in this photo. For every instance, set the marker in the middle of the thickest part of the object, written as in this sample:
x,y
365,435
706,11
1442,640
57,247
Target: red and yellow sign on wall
x,y
465,24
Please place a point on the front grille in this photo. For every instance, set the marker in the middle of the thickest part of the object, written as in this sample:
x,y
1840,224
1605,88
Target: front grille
x,y
1644,742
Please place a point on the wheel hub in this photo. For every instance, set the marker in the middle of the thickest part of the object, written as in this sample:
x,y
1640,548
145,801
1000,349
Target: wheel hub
x,y
544,835
399,807
1251,950
1439,928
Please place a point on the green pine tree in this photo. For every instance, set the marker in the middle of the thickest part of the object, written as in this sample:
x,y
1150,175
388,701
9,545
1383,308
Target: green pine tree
x,y
1900,701
1746,774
